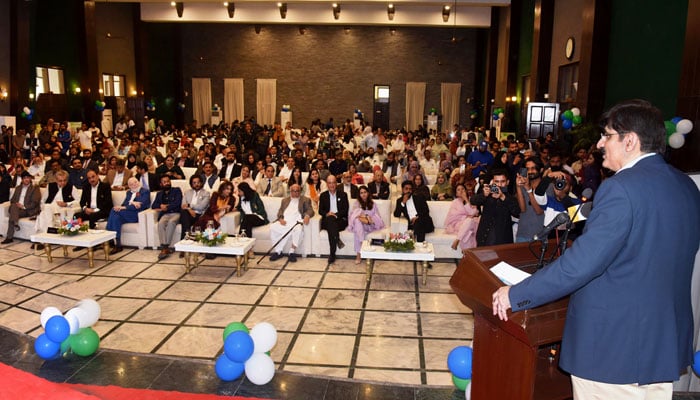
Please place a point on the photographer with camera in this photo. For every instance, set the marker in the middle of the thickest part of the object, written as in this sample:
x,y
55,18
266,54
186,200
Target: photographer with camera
x,y
497,210
560,198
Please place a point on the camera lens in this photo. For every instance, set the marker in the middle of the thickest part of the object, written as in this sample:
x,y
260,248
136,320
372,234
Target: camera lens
x,y
560,184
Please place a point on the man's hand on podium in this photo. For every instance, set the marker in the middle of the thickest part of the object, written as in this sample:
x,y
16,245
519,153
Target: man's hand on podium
x,y
501,302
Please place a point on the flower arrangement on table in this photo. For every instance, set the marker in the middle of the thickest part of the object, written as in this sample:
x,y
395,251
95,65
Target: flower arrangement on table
x,y
211,237
399,242
72,226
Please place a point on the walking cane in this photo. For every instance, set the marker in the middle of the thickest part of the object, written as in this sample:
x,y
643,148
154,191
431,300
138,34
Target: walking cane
x,y
278,242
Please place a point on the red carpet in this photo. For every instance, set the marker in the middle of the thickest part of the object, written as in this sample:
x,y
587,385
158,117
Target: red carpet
x,y
17,384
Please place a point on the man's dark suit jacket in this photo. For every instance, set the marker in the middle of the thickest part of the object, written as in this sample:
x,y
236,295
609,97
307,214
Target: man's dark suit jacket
x,y
421,204
354,190
383,190
104,196
153,181
324,206
235,171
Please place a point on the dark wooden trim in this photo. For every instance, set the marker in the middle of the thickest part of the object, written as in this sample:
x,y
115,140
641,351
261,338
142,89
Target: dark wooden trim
x,y
541,50
491,66
89,79
593,65
19,58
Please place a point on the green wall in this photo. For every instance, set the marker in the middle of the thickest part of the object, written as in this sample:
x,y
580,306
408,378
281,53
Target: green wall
x,y
646,51
527,26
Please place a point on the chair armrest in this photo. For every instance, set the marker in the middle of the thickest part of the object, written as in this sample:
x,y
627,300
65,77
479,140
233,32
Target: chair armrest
x,y
150,217
230,222
144,226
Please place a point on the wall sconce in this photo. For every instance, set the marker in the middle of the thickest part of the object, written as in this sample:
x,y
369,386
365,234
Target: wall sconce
x,y
302,30
390,11
283,9
514,99
347,30
445,13
3,95
231,8
179,7
392,31
76,90
100,90
258,29
336,10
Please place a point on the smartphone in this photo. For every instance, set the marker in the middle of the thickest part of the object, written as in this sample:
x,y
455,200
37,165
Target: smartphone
x,y
523,172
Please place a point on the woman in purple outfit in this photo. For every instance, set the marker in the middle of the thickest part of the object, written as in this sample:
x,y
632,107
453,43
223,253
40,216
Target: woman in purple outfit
x,y
462,220
363,218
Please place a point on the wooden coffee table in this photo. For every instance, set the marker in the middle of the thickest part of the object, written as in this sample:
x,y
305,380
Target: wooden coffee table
x,y
237,247
87,239
423,252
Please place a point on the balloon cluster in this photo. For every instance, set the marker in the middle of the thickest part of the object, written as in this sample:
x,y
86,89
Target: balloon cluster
x,y
696,363
459,362
473,114
150,106
27,113
215,107
571,118
181,106
498,113
286,107
676,129
100,105
69,332
247,351
433,111
358,114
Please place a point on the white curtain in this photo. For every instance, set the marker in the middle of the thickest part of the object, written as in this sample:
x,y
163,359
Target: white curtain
x,y
233,100
201,100
266,101
449,103
415,104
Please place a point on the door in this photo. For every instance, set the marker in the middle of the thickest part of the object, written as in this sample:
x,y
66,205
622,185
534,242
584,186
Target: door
x,y
380,117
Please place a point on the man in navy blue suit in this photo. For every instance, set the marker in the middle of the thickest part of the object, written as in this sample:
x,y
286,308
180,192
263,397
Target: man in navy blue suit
x,y
629,324
137,199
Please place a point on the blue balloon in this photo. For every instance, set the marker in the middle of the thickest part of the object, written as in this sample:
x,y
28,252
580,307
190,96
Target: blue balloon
x,y
57,328
459,361
46,348
567,124
495,117
228,370
676,119
239,346
696,363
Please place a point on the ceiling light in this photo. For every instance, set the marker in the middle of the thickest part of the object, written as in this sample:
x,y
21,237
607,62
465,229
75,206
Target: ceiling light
x,y
445,13
283,10
336,11
179,7
258,29
231,8
302,30
390,11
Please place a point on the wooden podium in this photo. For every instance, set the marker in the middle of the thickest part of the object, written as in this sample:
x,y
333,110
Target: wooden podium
x,y
517,359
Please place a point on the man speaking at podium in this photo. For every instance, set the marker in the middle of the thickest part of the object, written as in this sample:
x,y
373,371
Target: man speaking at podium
x,y
629,324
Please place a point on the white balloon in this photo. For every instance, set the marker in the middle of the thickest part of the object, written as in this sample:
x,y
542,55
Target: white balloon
x,y
576,111
26,110
677,140
73,323
260,369
80,314
468,391
47,313
684,126
501,115
92,310
264,337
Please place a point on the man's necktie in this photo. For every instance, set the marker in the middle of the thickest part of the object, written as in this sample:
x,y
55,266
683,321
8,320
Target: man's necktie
x,y
269,186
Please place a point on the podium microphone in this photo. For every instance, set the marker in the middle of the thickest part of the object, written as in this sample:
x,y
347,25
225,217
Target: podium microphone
x,y
559,219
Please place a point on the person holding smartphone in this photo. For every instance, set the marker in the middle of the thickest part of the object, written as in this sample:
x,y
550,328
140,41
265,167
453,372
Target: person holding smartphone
x,y
531,213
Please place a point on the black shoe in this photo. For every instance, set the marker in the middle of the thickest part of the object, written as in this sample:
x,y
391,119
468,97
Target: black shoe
x,y
210,256
275,256
6,241
292,257
430,266
78,248
38,246
340,244
182,254
331,259
116,249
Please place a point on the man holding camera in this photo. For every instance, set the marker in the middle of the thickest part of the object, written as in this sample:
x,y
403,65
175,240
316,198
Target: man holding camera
x,y
497,208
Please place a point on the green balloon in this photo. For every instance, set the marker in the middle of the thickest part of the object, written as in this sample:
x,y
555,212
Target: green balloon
x,y
577,120
234,327
85,342
461,384
670,128
65,345
568,114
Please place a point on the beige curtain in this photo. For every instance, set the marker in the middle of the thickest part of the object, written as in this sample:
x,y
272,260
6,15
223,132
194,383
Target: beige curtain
x,y
233,100
449,103
201,100
415,104
266,101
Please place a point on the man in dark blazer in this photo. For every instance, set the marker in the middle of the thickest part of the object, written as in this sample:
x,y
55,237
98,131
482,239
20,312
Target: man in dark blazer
x,y
333,207
415,210
25,202
497,209
137,199
347,186
379,188
629,322
230,168
96,200
148,181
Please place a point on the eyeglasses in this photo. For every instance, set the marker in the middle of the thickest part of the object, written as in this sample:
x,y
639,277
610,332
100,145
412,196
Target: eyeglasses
x,y
606,136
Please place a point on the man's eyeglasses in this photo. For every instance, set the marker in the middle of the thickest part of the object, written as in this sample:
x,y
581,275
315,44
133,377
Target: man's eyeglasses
x,y
606,136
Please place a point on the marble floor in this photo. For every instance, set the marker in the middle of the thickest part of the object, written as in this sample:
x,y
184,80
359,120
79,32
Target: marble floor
x,y
331,321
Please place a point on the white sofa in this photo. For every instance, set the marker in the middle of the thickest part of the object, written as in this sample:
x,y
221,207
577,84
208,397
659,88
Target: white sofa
x,y
263,242
442,242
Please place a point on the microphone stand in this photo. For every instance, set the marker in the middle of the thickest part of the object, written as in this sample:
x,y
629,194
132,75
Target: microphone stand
x,y
543,250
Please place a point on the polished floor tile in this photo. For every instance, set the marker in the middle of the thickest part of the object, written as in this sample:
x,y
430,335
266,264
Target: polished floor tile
x,y
165,312
218,315
283,318
322,349
195,291
287,296
401,301
332,321
193,342
386,323
338,298
136,337
142,288
385,352
11,293
239,294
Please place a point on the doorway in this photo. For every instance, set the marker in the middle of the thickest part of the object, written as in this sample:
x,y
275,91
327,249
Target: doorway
x,y
380,118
